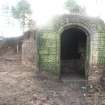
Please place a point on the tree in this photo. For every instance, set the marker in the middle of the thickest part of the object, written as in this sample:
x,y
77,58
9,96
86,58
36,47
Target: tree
x,y
73,7
22,12
31,24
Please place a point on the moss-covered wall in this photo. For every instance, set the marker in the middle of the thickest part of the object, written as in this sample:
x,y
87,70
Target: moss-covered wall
x,y
48,57
101,49
101,42
49,44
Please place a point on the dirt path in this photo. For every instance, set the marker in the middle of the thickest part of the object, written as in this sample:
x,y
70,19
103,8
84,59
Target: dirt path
x,y
21,85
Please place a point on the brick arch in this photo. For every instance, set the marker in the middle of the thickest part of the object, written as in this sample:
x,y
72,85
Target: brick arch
x,y
80,26
87,33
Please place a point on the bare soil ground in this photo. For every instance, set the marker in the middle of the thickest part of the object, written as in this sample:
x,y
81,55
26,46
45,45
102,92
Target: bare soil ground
x,y
20,85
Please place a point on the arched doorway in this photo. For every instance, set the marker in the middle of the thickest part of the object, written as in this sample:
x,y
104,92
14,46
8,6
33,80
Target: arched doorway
x,y
73,57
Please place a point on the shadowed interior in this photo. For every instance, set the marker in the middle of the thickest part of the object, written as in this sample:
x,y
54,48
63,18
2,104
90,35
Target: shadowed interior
x,y
73,52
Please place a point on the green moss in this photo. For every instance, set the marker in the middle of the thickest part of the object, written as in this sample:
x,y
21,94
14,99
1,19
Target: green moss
x,y
101,27
48,56
51,68
101,49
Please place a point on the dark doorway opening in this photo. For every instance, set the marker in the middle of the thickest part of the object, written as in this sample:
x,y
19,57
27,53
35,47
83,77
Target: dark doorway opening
x,y
73,53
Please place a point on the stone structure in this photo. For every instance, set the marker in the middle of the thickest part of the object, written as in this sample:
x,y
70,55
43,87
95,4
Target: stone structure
x,y
91,46
29,51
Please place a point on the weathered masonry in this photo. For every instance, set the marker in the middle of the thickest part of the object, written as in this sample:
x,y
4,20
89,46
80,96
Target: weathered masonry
x,y
75,47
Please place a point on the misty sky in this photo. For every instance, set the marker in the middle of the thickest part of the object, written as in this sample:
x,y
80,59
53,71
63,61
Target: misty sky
x,y
43,11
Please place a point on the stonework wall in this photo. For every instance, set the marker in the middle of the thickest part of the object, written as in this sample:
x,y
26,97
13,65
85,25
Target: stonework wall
x,y
95,29
48,57
29,49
